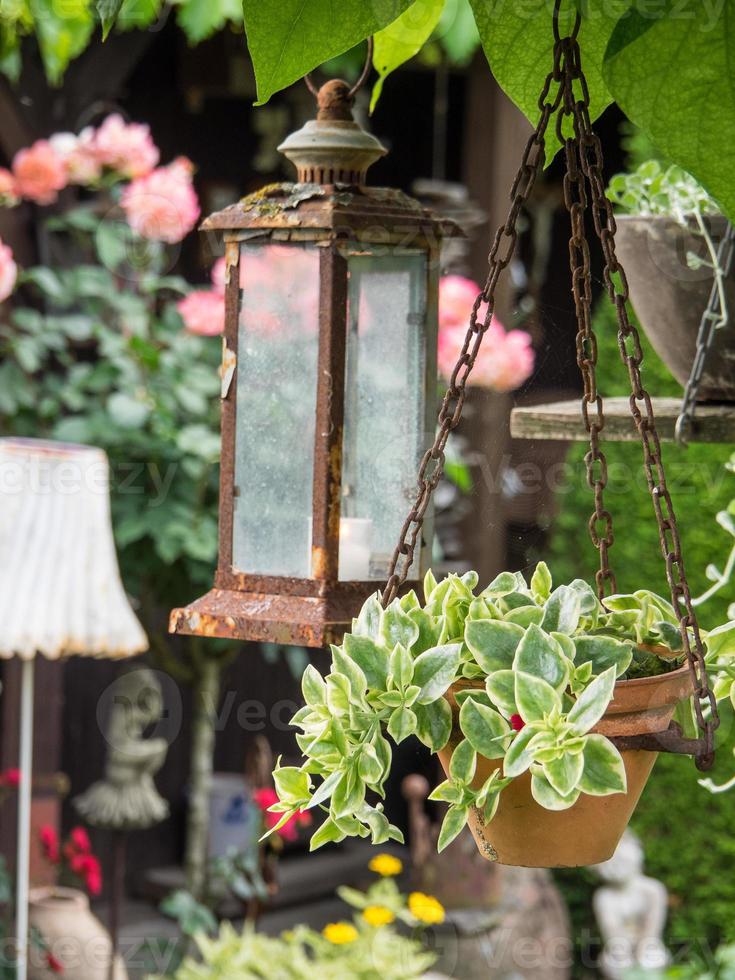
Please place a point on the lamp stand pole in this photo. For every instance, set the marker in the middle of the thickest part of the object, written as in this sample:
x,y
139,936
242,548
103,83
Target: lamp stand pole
x,y
22,870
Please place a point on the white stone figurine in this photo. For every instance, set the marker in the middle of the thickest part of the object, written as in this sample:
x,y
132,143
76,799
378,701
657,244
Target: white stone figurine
x,y
630,909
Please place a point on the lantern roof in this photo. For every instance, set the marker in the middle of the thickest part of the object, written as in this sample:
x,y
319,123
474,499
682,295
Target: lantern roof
x,y
341,208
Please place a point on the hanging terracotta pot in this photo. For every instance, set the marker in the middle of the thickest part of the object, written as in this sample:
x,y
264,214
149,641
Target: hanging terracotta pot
x,y
669,297
75,938
525,834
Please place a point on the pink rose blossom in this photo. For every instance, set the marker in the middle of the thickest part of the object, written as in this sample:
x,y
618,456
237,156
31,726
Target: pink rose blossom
x,y
79,156
8,190
39,172
203,312
505,359
163,205
125,147
8,271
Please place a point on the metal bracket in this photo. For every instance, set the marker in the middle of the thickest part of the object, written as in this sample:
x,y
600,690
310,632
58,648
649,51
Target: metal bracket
x,y
672,740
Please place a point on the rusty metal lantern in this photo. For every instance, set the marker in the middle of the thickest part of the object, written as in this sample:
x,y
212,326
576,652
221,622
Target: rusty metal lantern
x,y
328,387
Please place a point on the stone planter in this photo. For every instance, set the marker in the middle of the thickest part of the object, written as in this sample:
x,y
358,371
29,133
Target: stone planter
x,y
72,934
669,297
524,834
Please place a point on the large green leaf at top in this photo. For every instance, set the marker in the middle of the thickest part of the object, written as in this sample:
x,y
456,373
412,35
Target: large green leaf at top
x,y
518,41
290,38
63,29
199,19
673,76
404,38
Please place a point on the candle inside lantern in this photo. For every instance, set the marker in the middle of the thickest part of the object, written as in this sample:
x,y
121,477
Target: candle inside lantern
x,y
354,548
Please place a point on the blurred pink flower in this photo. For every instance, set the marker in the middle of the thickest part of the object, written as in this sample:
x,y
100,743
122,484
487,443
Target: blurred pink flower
x,y
39,172
79,156
218,276
163,205
125,147
505,359
203,312
8,271
8,190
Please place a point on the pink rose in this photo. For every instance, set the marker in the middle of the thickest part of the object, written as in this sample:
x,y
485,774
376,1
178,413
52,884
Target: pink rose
x,y
8,271
39,172
163,205
8,190
203,312
505,359
79,156
125,147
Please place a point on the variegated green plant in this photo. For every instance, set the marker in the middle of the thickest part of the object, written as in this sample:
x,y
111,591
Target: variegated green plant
x,y
534,670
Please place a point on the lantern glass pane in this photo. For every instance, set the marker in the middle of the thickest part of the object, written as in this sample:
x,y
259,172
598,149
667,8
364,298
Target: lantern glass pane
x,y
385,406
275,418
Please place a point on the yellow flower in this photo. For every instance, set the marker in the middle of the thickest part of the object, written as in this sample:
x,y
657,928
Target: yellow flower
x,y
340,933
425,908
386,865
378,915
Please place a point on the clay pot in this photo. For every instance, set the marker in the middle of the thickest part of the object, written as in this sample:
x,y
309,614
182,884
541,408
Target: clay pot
x,y
72,934
524,834
669,297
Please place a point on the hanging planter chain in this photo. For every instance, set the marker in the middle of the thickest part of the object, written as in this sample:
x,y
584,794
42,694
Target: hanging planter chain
x,y
583,152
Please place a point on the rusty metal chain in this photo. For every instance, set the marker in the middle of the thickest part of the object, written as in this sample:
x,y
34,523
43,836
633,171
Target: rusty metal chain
x,y
575,198
432,464
641,406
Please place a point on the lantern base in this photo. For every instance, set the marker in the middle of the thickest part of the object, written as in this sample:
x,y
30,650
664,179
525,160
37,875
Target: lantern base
x,y
296,620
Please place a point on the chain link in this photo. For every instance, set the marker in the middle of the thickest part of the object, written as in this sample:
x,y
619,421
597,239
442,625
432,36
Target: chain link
x,y
713,319
616,284
450,413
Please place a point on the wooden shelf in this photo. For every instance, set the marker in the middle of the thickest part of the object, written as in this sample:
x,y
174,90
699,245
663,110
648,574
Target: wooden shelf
x,y
562,421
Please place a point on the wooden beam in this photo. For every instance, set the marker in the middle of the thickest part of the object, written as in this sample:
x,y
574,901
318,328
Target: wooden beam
x,y
562,421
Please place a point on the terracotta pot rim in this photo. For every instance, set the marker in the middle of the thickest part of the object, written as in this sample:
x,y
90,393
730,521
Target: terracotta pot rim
x,y
636,682
55,896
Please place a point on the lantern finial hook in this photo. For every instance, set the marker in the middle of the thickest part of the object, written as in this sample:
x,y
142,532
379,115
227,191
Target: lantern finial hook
x,y
350,92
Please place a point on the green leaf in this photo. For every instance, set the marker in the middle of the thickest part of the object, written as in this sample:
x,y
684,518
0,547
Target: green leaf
x,y
546,796
372,659
541,582
397,626
501,689
592,703
493,642
328,833
485,729
434,723
108,11
429,631
401,724
604,771
452,825
537,655
463,763
402,39
368,620
126,411
672,76
401,667
534,697
524,616
199,19
346,666
501,585
603,652
325,789
520,754
447,792
518,41
349,794
565,772
63,29
435,670
562,611
313,687
292,785
288,39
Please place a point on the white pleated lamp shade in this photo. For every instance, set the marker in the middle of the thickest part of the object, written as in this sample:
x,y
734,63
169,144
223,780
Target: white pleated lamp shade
x,y
60,587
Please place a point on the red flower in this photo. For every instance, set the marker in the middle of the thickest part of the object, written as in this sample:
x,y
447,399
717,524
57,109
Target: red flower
x,y
53,964
50,844
265,798
10,778
517,723
89,868
79,839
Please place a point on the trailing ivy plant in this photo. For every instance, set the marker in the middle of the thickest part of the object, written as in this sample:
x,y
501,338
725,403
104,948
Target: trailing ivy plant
x,y
532,669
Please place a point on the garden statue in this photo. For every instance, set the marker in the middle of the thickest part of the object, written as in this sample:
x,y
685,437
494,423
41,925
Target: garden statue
x,y
630,909
126,798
